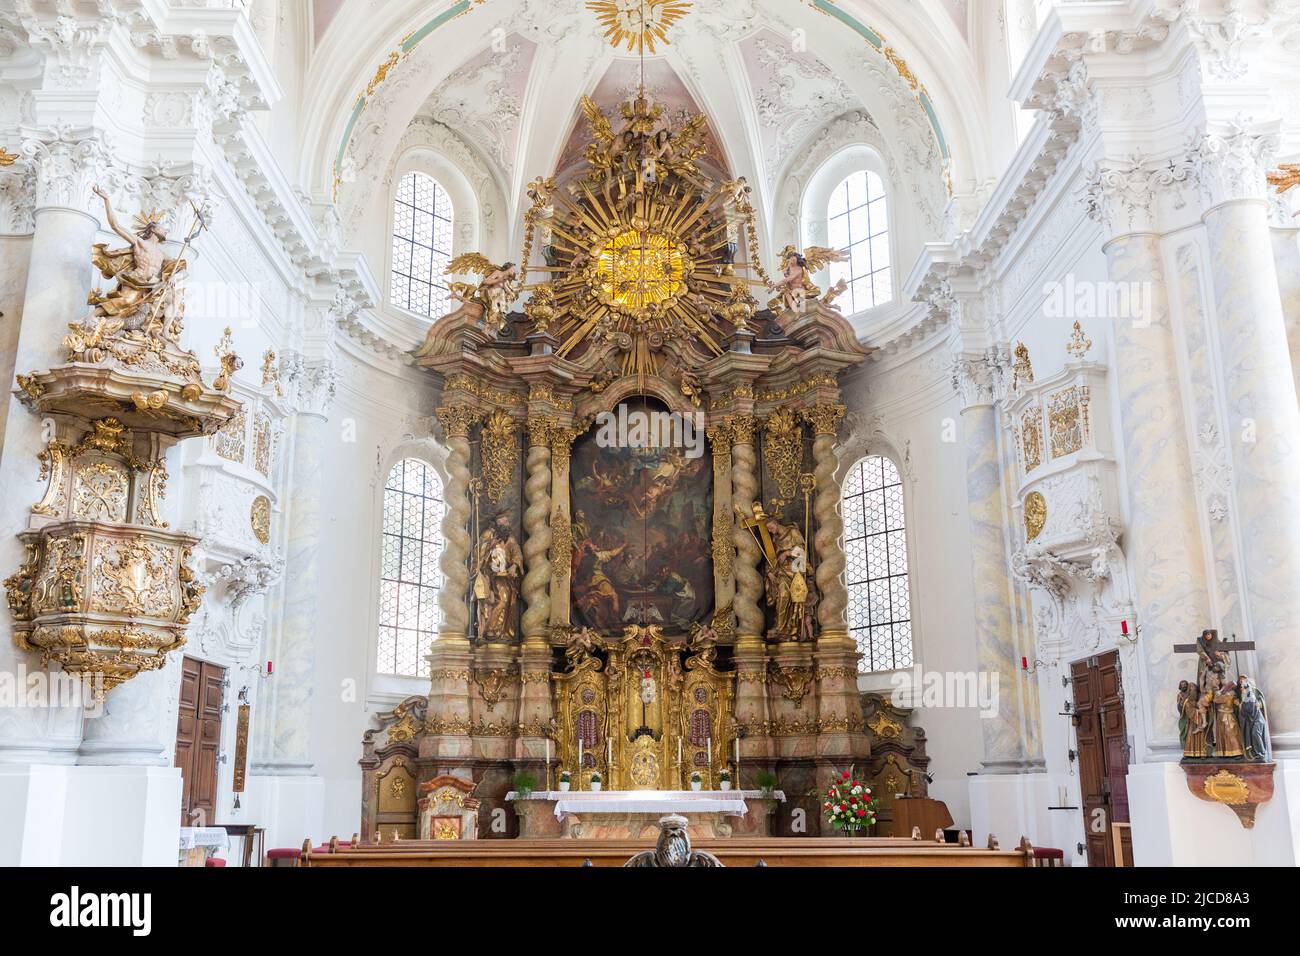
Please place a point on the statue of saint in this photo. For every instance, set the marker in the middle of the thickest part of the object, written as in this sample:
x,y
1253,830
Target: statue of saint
x,y
498,569
787,580
1192,721
1254,719
1227,727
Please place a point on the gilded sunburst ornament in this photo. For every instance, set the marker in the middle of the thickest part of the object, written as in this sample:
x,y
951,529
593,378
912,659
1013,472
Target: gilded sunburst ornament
x,y
638,24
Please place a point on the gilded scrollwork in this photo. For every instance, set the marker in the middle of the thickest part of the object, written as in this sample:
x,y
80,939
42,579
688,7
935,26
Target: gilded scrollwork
x,y
783,450
99,492
1065,421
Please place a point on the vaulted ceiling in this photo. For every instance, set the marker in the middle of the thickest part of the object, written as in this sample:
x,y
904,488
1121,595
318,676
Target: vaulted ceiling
x,y
505,77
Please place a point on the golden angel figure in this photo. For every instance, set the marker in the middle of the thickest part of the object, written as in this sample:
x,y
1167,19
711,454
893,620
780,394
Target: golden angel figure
x,y
797,269
494,294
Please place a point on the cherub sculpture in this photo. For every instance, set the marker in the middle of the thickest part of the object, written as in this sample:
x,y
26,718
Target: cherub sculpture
x,y
494,295
581,644
797,269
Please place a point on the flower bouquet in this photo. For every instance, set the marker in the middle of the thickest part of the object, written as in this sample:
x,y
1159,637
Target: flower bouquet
x,y
849,805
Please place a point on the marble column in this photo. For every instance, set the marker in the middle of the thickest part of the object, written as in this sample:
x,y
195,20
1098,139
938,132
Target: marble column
x,y
979,383
828,548
448,721
744,492
535,709
1286,256
537,531
58,278
1163,536
284,725
1264,436
839,706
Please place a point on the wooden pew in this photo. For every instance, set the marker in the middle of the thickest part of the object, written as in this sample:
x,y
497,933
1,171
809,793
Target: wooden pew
x,y
733,852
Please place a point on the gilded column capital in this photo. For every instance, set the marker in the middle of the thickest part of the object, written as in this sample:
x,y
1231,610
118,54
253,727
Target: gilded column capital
x,y
825,419
741,428
562,439
457,420
540,430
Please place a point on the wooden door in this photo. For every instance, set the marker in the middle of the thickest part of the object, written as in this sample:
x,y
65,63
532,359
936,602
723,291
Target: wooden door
x,y
1102,752
198,739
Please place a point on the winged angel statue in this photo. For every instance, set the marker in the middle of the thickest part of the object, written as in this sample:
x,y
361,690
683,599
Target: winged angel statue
x,y
495,292
797,269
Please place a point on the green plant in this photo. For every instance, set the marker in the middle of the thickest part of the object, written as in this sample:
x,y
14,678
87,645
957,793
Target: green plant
x,y
724,774
766,781
525,783
695,777
565,776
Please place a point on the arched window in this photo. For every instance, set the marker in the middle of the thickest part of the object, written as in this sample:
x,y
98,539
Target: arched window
x,y
875,546
408,568
857,221
422,217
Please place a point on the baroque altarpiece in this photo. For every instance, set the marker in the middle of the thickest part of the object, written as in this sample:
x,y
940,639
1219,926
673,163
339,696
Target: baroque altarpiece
x,y
642,607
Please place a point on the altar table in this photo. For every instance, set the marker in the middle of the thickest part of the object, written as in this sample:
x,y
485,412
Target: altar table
x,y
630,814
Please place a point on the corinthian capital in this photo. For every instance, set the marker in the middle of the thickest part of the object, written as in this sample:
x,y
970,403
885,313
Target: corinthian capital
x,y
1233,164
67,163
310,384
457,420
981,379
1124,195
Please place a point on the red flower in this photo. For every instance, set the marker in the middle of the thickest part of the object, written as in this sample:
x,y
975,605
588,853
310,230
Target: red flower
x,y
846,775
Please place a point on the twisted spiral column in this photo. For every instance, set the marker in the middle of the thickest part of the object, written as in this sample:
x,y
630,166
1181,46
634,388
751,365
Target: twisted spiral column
x,y
825,420
744,489
537,530
453,603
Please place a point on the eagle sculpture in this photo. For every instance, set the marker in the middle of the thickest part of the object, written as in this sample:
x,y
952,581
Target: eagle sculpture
x,y
673,848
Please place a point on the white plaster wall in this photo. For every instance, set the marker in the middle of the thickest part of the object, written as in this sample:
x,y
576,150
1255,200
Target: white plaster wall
x,y
918,409
374,413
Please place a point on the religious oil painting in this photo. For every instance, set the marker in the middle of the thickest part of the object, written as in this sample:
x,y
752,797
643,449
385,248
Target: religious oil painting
x,y
641,522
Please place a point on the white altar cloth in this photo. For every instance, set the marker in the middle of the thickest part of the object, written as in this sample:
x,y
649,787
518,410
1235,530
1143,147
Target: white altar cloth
x,y
727,802
214,838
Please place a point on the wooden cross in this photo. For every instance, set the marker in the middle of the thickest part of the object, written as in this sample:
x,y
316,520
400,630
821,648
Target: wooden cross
x,y
1229,647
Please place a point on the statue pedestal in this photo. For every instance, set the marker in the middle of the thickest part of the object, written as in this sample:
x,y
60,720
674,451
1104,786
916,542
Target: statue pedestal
x,y
1242,787
634,814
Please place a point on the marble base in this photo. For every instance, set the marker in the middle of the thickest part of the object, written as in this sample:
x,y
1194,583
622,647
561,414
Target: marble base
x,y
58,815
291,807
1011,806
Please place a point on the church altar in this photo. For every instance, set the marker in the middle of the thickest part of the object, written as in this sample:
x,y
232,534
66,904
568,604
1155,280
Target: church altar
x,y
642,559
629,814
